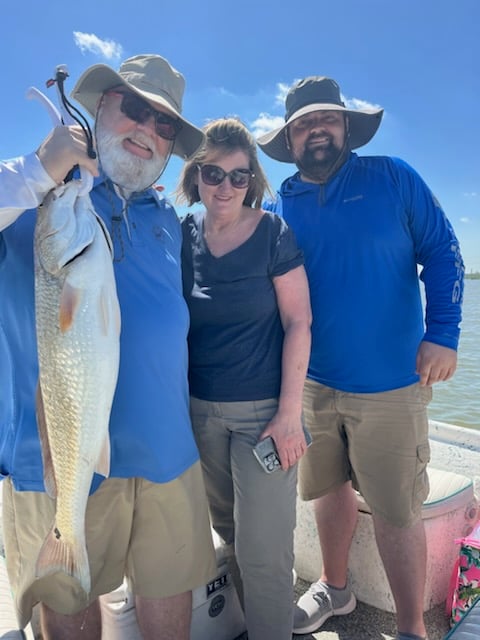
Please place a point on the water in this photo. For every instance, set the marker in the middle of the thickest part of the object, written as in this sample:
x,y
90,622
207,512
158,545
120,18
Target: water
x,y
458,400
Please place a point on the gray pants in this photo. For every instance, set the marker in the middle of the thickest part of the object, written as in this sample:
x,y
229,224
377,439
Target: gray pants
x,y
250,509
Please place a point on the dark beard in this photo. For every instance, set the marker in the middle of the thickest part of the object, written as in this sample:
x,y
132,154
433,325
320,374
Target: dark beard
x,y
320,170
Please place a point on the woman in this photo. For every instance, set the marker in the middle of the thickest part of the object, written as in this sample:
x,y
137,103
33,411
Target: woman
x,y
249,345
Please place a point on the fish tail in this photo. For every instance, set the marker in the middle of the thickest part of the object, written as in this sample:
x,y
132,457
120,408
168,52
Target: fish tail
x,y
59,555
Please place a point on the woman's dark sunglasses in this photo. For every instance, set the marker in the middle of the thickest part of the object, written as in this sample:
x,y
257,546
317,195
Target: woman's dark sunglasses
x,y
140,111
213,176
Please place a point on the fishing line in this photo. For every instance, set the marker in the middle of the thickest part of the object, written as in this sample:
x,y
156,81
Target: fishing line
x,y
60,76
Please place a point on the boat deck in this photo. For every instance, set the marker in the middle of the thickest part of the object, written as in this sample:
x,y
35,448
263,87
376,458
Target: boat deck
x,y
368,623
453,448
365,623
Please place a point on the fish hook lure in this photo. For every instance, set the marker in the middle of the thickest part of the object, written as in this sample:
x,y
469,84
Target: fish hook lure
x,y
68,114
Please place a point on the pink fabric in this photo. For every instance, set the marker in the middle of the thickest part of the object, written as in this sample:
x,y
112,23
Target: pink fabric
x,y
465,580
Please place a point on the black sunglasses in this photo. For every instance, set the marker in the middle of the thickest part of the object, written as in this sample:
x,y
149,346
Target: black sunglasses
x,y
213,176
140,111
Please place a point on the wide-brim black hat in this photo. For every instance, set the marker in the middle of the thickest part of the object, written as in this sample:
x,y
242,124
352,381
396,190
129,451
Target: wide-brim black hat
x,y
318,93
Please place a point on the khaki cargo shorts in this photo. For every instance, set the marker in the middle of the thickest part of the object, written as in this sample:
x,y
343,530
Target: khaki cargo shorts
x,y
158,535
379,441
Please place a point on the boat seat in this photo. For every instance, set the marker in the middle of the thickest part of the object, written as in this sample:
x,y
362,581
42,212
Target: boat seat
x,y
468,628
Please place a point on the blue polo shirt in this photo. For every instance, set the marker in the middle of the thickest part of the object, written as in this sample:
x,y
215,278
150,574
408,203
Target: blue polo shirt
x,y
150,428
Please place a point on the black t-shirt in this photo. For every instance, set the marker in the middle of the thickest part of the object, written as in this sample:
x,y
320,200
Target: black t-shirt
x,y
236,337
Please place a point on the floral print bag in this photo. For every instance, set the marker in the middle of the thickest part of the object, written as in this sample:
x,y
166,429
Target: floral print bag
x,y
465,580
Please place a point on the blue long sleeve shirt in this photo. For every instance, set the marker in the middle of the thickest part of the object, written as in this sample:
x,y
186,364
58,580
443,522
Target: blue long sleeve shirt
x,y
363,233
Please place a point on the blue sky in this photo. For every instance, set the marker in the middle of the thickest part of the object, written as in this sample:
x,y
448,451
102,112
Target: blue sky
x,y
418,59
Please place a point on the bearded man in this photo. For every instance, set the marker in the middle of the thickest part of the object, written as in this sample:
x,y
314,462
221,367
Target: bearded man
x,y
148,520
364,223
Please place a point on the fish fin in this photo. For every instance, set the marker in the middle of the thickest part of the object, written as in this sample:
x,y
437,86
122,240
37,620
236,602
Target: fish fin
x,y
48,471
58,555
103,463
69,303
117,317
104,310
109,311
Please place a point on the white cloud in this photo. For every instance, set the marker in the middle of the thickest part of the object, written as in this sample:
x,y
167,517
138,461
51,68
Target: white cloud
x,y
356,103
282,90
226,92
90,42
265,123
465,220
471,194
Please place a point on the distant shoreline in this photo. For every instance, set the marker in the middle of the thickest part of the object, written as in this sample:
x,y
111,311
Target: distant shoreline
x,y
473,276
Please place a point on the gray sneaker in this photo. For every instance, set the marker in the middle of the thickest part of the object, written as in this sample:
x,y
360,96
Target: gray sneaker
x,y
318,604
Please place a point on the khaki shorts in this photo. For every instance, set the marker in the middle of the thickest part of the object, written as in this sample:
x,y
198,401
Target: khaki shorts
x,y
379,441
158,535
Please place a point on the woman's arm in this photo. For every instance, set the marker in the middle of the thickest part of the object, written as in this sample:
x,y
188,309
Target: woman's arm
x,y
294,307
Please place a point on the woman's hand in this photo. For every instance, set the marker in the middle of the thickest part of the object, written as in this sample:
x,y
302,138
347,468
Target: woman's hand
x,y
287,433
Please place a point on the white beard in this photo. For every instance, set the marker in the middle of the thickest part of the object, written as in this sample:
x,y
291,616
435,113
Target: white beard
x,y
126,170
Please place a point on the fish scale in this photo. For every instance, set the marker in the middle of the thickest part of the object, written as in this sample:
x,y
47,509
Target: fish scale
x,y
78,327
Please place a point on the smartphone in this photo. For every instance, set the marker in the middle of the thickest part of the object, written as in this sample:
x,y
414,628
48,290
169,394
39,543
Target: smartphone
x,y
265,452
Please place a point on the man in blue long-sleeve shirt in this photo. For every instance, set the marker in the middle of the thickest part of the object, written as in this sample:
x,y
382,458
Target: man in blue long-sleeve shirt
x,y
364,224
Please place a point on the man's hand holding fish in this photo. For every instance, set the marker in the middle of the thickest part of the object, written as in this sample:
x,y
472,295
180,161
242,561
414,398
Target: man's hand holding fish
x,y
102,473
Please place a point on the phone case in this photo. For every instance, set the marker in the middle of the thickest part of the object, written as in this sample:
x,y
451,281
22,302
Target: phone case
x,y
266,452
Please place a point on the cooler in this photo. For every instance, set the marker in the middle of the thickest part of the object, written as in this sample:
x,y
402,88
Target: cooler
x,y
217,614
449,512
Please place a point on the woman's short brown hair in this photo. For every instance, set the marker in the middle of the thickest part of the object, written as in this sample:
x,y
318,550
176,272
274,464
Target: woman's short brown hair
x,y
226,135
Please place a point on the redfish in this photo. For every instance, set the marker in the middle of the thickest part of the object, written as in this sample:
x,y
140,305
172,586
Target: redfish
x,y
78,330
